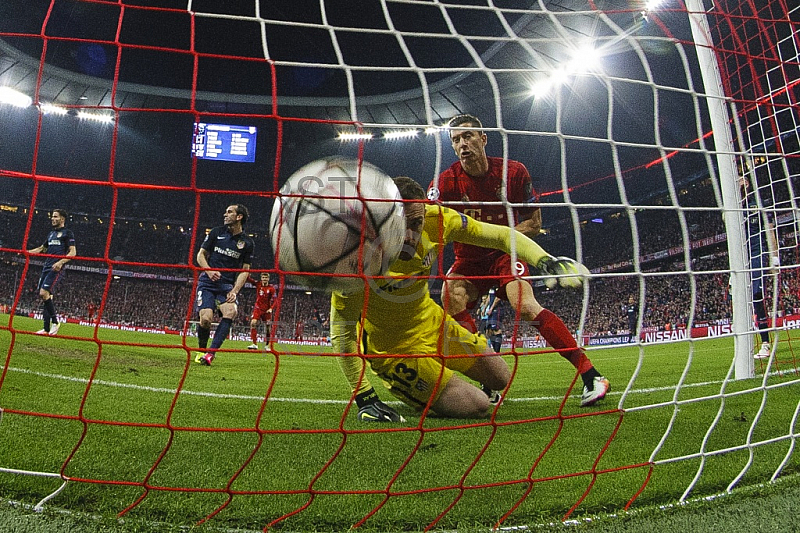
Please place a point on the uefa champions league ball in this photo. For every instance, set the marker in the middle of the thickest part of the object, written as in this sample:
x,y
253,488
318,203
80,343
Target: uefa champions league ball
x,y
336,223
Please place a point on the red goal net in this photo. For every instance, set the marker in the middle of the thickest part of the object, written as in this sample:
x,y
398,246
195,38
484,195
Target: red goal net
x,y
145,120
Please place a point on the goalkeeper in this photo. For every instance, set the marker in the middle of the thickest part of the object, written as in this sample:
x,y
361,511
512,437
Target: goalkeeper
x,y
407,338
478,178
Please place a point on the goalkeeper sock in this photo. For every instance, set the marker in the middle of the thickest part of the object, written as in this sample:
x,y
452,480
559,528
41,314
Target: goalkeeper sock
x,y
367,397
254,335
555,332
465,319
202,336
222,333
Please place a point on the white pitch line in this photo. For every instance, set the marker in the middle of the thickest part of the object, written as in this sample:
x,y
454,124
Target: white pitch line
x,y
304,400
165,390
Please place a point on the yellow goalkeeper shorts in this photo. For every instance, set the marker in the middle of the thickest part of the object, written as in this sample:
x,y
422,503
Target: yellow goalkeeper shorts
x,y
421,378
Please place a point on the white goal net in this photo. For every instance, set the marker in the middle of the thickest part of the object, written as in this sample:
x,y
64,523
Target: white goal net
x,y
663,140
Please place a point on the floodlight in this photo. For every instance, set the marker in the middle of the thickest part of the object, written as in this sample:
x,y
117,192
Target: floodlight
x,y
542,88
352,136
401,134
586,58
14,97
106,119
52,109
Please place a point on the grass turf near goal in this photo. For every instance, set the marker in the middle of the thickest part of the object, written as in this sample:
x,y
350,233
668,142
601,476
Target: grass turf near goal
x,y
259,436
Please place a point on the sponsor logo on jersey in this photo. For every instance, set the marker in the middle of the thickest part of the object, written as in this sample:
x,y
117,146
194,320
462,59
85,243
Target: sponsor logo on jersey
x,y
228,252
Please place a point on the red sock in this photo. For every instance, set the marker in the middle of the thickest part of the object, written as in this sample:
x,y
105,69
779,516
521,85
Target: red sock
x,y
254,335
558,336
465,319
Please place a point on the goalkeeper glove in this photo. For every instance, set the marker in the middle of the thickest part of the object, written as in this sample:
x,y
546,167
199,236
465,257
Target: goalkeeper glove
x,y
371,409
562,271
379,412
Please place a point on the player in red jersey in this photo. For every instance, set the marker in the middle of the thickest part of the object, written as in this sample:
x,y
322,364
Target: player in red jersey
x,y
265,296
469,182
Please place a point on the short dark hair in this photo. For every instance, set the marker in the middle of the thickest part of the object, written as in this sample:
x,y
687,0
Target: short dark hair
x,y
459,121
409,189
242,210
62,213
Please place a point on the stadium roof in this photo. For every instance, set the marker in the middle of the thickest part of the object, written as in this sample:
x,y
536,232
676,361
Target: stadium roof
x,y
347,65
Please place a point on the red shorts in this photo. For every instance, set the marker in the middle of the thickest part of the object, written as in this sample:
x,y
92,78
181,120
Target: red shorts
x,y
262,314
492,270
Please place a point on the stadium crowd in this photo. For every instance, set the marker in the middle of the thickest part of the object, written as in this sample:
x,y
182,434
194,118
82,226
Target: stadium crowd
x,y
150,283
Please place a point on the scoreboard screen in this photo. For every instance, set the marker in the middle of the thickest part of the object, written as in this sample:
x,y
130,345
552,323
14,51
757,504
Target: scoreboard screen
x,y
224,142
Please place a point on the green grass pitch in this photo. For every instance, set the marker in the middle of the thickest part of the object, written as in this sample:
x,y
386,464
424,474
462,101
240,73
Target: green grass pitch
x,y
260,437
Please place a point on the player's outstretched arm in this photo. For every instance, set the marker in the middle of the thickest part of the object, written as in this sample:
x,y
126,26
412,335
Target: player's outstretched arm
x,y
562,271
559,270
345,314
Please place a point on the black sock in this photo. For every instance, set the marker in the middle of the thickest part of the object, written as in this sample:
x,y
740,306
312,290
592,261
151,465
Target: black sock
x,y
588,378
221,333
497,342
51,309
486,390
367,397
202,336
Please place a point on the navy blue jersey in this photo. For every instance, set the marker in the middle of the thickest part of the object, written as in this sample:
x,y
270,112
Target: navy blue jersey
x,y
632,311
755,228
227,251
58,242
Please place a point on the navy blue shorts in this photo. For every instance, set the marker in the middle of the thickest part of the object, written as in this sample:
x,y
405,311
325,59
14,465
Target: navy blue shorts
x,y
48,279
211,295
758,264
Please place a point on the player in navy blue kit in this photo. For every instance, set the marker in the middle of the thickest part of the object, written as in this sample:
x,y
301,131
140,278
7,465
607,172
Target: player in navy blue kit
x,y
490,320
225,256
762,247
60,242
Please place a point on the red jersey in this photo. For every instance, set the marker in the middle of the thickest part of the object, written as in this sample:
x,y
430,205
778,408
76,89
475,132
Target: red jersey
x,y
264,296
470,193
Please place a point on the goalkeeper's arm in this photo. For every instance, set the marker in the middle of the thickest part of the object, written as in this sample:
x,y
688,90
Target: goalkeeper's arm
x,y
345,314
558,270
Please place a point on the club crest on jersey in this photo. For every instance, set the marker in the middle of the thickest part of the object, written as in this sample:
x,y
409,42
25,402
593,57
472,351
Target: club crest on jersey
x,y
240,244
433,194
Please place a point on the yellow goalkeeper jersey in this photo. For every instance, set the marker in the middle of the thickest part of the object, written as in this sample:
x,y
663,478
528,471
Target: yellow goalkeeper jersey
x,y
398,308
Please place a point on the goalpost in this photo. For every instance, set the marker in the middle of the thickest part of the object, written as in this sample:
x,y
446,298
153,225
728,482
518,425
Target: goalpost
x,y
638,121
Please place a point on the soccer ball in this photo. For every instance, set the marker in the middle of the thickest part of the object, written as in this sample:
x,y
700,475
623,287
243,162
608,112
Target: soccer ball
x,y
337,216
